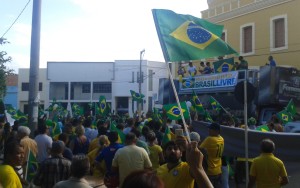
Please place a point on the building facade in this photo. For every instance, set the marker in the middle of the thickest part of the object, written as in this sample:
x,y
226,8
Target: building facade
x,y
259,28
23,88
11,97
84,82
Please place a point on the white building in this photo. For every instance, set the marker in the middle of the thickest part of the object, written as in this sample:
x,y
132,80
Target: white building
x,y
23,88
84,82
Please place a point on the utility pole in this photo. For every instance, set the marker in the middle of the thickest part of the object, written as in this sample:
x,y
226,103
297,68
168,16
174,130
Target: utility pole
x,y
140,82
33,99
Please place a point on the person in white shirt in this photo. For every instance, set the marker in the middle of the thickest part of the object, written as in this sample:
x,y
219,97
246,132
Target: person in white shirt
x,y
44,143
192,69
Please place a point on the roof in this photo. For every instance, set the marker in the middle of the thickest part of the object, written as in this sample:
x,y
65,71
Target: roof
x,y
12,80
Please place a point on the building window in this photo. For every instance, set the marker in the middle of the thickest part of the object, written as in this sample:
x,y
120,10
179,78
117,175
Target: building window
x,y
86,88
278,30
150,80
247,39
132,77
102,87
224,36
25,86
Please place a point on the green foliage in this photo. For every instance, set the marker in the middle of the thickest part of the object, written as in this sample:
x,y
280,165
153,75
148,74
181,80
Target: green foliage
x,y
4,71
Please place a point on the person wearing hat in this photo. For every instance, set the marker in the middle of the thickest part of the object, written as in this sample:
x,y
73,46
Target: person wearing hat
x,y
54,169
214,146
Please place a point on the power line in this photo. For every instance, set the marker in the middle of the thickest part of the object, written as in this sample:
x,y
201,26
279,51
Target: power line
x,y
16,19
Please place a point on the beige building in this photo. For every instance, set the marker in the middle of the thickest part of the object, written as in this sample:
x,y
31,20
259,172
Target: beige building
x,y
259,28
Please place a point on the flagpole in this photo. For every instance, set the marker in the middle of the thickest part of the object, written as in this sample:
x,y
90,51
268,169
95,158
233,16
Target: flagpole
x,y
178,103
188,109
246,127
225,111
27,164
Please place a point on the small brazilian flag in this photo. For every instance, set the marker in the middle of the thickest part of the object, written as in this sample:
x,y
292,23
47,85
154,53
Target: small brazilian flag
x,y
284,116
167,136
173,111
224,65
137,96
77,110
207,116
32,166
263,128
56,131
291,108
215,104
121,135
188,83
197,103
102,105
185,37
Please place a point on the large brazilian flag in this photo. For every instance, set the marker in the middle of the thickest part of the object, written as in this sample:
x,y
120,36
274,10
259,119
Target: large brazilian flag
x,y
173,111
185,37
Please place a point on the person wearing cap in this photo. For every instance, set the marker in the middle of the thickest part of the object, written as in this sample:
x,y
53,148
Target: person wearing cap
x,y
54,169
267,170
214,146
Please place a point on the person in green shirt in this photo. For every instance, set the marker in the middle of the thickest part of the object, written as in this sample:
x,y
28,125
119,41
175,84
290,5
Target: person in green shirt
x,y
243,64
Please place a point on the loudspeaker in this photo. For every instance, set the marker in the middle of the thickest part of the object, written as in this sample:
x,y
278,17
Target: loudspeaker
x,y
239,92
165,91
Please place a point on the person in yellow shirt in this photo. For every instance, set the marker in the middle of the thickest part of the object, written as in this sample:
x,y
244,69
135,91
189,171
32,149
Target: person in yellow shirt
x,y
176,173
13,156
103,143
214,146
267,171
156,154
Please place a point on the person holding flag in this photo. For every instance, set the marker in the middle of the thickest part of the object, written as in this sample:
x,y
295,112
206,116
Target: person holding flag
x,y
197,103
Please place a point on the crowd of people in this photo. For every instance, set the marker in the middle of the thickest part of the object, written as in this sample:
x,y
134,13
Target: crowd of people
x,y
143,159
206,68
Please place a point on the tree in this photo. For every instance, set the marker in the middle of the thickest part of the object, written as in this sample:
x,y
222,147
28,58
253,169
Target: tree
x,y
4,71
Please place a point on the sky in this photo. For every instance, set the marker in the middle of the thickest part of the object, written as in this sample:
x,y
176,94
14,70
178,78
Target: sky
x,y
88,30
